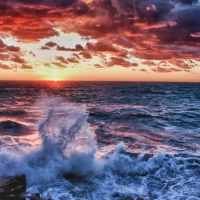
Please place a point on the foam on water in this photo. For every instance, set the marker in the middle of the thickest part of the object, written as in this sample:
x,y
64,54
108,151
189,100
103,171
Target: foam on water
x,y
65,166
67,145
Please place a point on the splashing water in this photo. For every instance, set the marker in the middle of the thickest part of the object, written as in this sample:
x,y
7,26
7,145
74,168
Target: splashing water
x,y
65,166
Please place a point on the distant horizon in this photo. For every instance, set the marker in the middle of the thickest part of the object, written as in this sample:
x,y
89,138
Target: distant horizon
x,y
96,81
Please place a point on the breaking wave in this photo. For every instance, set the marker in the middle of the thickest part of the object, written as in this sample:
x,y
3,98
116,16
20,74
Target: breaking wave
x,y
66,165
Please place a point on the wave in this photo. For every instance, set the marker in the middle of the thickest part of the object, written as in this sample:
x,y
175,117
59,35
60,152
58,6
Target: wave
x,y
66,166
13,128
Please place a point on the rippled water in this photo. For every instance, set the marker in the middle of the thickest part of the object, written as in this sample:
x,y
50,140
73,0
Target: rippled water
x,y
102,140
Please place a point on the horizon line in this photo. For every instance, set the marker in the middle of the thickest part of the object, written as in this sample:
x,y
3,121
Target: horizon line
x,y
97,81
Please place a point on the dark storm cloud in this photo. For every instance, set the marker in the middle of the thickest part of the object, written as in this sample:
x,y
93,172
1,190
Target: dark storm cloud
x,y
188,2
153,10
64,3
188,23
36,2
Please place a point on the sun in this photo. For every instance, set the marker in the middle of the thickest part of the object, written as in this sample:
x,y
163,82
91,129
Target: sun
x,y
55,79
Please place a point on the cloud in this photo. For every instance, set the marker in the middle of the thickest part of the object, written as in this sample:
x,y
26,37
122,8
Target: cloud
x,y
101,46
13,48
5,67
79,47
17,59
62,48
143,70
159,69
151,30
4,57
72,60
50,44
121,41
148,63
76,56
26,67
45,48
34,34
120,62
85,55
189,2
2,45
98,66
59,65
134,64
62,59
181,64
153,10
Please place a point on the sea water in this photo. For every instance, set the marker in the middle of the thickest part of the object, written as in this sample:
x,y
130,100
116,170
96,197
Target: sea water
x,y
102,140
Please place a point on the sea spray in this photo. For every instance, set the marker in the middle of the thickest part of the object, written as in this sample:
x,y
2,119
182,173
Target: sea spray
x,y
65,165
67,146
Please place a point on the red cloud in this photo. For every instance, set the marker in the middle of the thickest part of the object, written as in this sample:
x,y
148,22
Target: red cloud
x,y
86,55
2,66
125,29
59,48
13,48
18,59
119,61
50,44
2,45
31,34
26,67
61,59
102,47
148,63
79,47
59,65
72,60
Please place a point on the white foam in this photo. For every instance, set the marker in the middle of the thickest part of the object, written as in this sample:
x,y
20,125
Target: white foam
x,y
68,147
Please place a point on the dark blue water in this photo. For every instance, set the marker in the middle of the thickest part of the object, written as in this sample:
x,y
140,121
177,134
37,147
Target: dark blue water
x,y
120,140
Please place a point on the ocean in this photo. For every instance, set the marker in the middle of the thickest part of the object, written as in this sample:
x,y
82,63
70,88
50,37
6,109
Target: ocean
x,y
100,140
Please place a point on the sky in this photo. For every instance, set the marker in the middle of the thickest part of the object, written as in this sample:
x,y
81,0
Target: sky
x,y
100,40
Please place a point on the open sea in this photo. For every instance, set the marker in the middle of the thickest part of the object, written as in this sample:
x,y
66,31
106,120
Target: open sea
x,y
101,140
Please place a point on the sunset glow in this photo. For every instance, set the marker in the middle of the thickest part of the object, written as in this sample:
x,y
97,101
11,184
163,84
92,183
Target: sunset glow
x,y
100,40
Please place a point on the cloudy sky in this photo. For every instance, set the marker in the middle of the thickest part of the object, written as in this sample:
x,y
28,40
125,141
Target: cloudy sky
x,y
109,40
